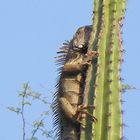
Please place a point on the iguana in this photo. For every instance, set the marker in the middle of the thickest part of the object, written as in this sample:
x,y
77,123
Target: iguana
x,y
68,99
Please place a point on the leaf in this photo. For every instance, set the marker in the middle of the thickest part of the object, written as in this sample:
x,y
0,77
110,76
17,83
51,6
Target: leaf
x,y
45,113
38,124
33,138
35,95
26,103
48,134
26,86
127,87
14,109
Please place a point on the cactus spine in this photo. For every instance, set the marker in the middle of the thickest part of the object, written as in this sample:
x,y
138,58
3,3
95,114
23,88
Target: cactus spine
x,y
103,83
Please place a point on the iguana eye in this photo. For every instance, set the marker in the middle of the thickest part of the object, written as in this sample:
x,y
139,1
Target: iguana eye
x,y
80,46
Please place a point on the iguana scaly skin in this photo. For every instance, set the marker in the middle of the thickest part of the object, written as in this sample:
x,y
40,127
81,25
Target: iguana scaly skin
x,y
67,106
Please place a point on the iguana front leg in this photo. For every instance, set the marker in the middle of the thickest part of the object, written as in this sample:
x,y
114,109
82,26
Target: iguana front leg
x,y
89,56
77,67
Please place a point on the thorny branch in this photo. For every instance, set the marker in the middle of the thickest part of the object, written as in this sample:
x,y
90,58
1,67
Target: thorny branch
x,y
39,123
22,111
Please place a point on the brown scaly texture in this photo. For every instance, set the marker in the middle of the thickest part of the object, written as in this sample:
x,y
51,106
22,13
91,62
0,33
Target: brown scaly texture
x,y
70,85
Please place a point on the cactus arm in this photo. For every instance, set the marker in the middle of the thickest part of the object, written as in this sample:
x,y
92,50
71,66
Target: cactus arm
x,y
103,85
116,123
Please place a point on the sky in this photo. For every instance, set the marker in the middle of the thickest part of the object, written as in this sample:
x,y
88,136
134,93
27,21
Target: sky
x,y
31,31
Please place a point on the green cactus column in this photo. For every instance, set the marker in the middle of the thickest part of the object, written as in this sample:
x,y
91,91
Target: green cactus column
x,y
103,83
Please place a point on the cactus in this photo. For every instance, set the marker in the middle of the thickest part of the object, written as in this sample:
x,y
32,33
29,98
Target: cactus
x,y
103,84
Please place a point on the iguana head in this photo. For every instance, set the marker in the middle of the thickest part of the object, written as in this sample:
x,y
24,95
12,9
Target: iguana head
x,y
81,38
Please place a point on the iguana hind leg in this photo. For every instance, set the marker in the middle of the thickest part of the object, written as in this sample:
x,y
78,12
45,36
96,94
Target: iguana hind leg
x,y
81,110
87,113
82,107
